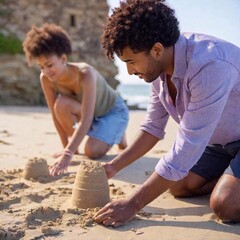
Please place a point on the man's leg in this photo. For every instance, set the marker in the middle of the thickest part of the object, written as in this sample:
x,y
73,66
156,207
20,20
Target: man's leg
x,y
192,185
225,198
204,175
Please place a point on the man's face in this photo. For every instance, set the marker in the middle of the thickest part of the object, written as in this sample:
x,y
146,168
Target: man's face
x,y
144,65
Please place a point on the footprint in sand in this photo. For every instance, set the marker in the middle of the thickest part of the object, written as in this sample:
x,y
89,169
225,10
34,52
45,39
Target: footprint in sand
x,y
16,186
11,233
7,203
32,198
43,214
10,175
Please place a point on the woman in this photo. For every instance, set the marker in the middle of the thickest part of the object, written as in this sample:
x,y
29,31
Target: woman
x,y
79,99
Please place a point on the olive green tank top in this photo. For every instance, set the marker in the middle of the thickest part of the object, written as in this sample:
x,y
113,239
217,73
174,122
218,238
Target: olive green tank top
x,y
105,94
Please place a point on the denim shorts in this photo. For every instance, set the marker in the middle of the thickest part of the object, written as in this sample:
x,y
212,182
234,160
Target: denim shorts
x,y
219,159
110,127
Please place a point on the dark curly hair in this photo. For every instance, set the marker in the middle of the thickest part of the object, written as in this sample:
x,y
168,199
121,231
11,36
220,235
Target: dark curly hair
x,y
46,40
139,24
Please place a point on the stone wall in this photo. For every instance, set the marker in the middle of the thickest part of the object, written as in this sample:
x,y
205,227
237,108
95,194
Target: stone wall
x,y
83,20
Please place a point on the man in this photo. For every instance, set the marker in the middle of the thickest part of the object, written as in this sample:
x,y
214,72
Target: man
x,y
195,79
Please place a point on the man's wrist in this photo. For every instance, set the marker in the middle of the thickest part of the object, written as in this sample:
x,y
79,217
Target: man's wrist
x,y
115,166
136,201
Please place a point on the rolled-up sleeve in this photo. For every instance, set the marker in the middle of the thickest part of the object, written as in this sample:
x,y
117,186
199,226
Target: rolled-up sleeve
x,y
209,91
157,116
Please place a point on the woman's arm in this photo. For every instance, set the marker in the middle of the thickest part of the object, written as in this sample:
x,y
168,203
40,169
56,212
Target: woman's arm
x,y
88,83
50,96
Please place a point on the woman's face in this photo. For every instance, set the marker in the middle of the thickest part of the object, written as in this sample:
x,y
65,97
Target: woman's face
x,y
52,66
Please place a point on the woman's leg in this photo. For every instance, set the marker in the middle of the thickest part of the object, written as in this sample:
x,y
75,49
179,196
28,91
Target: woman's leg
x,y
123,144
95,148
67,112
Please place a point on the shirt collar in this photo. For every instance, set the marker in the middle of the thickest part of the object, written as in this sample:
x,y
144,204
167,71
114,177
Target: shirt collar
x,y
180,57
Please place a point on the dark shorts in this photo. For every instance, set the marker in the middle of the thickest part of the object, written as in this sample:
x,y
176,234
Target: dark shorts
x,y
218,159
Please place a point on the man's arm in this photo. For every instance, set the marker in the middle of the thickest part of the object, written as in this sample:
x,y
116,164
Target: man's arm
x,y
140,146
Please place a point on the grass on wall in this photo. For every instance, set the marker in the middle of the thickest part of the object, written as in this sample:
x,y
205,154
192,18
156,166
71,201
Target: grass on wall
x,y
10,44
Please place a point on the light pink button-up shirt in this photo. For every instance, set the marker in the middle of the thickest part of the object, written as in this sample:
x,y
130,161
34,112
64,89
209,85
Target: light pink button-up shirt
x,y
207,108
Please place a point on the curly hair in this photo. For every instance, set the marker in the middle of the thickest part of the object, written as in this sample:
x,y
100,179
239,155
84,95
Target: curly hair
x,y
139,24
46,40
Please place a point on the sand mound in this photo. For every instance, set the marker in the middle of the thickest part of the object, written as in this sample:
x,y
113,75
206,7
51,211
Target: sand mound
x,y
36,168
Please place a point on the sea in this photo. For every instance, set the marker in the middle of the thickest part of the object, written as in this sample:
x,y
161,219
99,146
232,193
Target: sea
x,y
137,96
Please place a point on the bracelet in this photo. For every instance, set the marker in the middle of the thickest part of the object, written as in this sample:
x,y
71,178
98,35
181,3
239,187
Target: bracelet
x,y
75,125
68,152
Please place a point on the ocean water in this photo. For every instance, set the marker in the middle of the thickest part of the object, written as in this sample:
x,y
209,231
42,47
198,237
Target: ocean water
x,y
135,95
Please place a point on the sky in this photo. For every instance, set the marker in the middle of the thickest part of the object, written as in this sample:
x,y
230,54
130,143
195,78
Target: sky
x,y
219,18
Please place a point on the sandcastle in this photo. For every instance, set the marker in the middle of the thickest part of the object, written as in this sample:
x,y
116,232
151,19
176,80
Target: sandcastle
x,y
35,168
91,187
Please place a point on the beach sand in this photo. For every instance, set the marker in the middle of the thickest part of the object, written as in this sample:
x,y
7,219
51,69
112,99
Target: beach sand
x,y
41,208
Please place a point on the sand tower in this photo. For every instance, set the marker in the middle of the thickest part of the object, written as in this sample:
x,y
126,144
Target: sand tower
x,y
91,187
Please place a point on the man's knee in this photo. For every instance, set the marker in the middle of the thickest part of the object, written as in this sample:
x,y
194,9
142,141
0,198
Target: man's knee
x,y
224,207
180,190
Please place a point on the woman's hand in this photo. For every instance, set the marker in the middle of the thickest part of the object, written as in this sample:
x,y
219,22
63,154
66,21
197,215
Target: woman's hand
x,y
62,163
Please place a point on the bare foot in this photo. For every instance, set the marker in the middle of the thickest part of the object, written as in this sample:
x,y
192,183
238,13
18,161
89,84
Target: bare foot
x,y
123,144
77,152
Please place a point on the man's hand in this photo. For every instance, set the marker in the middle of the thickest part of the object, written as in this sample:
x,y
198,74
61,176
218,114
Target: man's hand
x,y
109,169
116,213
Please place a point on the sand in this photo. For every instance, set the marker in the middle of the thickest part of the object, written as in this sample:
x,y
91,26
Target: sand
x,y
40,207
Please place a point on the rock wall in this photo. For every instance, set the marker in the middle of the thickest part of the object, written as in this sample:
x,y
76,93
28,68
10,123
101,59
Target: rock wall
x,y
83,20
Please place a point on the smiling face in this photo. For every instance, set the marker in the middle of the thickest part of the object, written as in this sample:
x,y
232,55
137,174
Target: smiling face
x,y
147,66
52,66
